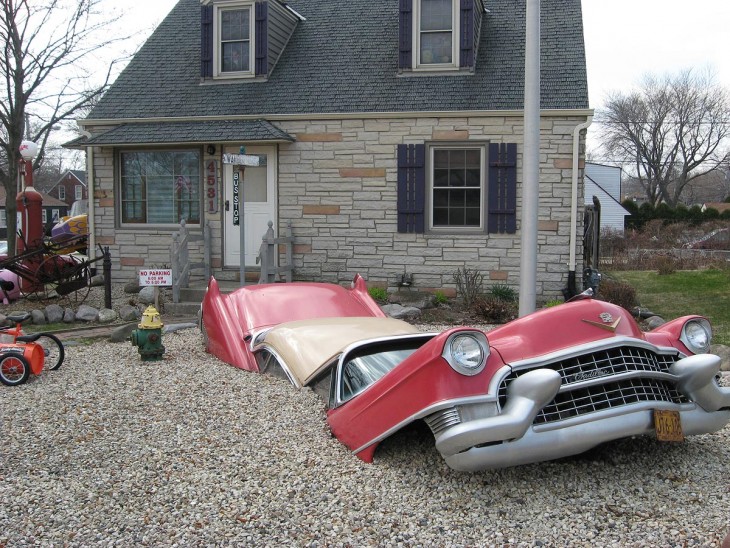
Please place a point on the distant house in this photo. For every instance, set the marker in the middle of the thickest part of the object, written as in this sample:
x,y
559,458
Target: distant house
x,y
720,207
387,134
604,182
53,210
71,187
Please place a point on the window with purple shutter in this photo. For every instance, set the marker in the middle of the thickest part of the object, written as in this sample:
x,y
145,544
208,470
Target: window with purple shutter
x,y
502,213
411,188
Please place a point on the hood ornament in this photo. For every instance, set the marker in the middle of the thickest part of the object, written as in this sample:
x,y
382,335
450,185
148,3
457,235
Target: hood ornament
x,y
606,322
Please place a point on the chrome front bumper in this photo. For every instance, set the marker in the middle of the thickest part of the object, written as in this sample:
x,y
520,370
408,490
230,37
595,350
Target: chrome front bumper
x,y
510,438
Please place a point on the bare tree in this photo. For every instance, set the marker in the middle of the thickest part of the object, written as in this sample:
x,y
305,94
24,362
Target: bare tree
x,y
50,75
669,132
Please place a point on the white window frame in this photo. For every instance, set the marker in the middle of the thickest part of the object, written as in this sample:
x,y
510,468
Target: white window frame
x,y
44,215
483,187
418,64
61,192
218,9
79,192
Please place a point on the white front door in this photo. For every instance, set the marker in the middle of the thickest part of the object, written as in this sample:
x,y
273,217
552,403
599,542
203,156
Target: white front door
x,y
253,206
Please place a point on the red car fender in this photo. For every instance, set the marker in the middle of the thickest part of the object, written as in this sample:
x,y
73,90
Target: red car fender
x,y
224,330
668,334
419,382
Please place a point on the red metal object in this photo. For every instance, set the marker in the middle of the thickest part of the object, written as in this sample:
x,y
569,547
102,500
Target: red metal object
x,y
234,321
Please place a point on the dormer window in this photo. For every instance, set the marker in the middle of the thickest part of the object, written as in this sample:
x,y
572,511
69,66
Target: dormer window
x,y
437,25
243,38
439,35
232,39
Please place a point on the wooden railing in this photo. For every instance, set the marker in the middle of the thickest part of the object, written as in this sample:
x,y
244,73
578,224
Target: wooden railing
x,y
268,253
180,257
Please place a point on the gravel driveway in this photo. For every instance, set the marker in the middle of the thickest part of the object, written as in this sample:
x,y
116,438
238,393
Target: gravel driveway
x,y
111,451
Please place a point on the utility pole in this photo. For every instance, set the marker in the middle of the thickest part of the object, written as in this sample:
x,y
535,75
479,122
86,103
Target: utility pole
x,y
530,160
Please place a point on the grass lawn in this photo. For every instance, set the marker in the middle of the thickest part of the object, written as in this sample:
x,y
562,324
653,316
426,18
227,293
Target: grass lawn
x,y
704,292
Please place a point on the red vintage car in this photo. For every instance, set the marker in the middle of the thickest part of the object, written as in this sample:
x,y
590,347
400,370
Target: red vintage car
x,y
555,383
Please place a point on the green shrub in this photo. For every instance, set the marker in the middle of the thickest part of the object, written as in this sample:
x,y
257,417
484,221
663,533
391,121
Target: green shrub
x,y
440,297
379,294
494,310
503,292
553,302
619,293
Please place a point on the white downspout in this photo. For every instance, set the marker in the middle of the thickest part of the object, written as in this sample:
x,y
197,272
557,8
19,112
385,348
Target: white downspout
x,y
574,191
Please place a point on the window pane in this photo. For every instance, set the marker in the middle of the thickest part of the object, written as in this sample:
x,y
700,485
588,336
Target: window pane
x,y
436,14
235,57
436,48
472,158
440,216
472,216
457,198
235,25
456,177
160,187
440,198
440,159
473,197
456,217
441,177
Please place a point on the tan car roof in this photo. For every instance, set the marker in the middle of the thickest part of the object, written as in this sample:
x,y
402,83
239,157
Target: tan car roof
x,y
306,346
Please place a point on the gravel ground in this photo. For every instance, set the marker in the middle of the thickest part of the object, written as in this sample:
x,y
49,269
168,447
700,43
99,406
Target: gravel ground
x,y
111,451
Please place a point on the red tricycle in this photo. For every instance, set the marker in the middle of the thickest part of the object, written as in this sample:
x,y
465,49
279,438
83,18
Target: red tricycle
x,y
21,354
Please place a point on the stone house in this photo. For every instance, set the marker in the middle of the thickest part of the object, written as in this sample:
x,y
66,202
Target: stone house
x,y
389,135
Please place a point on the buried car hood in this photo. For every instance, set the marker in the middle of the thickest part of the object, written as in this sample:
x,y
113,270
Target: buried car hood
x,y
563,326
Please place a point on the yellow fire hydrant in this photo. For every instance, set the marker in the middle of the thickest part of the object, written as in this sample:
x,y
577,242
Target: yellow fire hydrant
x,y
148,338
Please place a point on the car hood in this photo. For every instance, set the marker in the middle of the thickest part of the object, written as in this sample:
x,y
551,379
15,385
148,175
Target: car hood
x,y
563,326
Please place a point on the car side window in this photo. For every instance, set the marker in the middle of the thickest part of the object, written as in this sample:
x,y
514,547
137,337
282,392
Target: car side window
x,y
367,365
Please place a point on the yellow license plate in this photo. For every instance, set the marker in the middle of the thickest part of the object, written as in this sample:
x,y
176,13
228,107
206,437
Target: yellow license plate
x,y
668,425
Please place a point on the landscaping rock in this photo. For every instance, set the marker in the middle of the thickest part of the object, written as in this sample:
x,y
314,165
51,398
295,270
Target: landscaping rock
x,y
96,281
129,313
654,322
106,315
147,295
69,316
178,327
87,313
132,286
401,312
122,333
54,313
416,299
38,317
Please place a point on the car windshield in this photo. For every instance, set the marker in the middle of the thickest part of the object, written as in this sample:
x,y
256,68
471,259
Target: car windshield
x,y
366,365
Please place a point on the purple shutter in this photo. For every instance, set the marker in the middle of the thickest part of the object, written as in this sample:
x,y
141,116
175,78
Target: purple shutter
x,y
262,39
411,188
502,214
206,41
405,35
466,40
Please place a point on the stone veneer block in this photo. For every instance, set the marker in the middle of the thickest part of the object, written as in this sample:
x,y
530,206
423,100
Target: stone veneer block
x,y
551,226
132,261
319,137
567,163
362,172
499,275
450,135
320,210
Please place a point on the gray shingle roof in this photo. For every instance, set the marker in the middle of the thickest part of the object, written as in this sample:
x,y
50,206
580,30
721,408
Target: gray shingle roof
x,y
343,59
191,132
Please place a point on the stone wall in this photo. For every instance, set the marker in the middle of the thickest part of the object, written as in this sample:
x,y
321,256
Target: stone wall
x,y
337,185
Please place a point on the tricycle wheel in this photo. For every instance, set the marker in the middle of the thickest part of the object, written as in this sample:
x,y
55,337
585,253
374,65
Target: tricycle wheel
x,y
14,369
52,350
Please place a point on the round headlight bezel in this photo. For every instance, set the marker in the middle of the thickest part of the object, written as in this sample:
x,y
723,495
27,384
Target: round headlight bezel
x,y
454,352
694,328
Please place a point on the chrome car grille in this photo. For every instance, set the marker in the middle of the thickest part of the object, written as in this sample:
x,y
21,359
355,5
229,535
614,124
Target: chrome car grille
x,y
604,391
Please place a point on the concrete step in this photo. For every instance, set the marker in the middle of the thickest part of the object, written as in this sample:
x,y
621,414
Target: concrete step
x,y
191,297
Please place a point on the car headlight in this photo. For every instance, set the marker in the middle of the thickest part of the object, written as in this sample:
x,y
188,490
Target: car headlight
x,y
467,352
697,335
